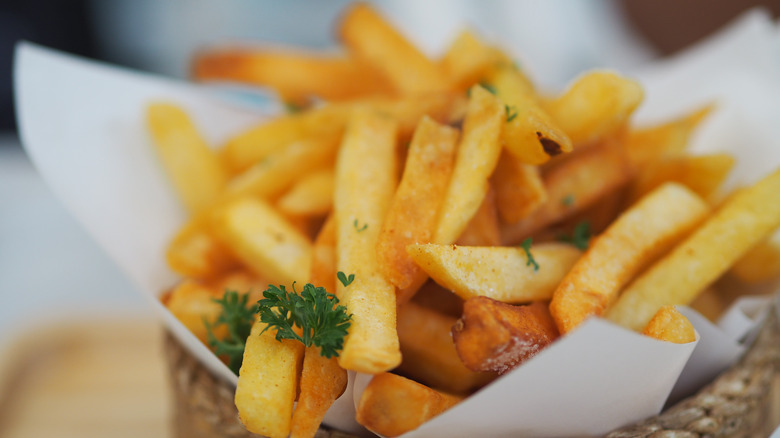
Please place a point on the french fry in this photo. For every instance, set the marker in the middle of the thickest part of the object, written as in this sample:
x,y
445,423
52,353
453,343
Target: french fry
x,y
483,229
494,336
369,37
596,105
322,382
645,145
392,405
268,382
323,263
741,223
639,236
761,264
501,273
195,252
294,75
192,303
519,188
435,297
670,325
408,111
278,171
194,169
574,185
468,60
703,174
415,206
529,133
263,240
311,195
429,354
476,158
365,181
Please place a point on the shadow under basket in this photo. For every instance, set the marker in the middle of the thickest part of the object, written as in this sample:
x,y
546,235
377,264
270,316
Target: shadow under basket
x,y
744,401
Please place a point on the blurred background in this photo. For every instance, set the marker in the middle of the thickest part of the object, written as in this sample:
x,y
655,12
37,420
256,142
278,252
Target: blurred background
x,y
51,273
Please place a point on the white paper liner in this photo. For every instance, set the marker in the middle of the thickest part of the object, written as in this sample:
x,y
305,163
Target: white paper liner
x,y
82,123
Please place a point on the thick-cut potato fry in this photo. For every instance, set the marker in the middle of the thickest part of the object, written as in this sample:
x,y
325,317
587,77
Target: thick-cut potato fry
x,y
648,144
529,133
415,207
740,224
468,60
278,171
501,273
365,181
760,264
263,240
268,382
494,336
477,156
596,105
369,37
444,108
482,229
574,185
429,354
639,236
322,382
702,173
294,75
195,252
312,195
251,146
670,325
194,169
519,188
392,405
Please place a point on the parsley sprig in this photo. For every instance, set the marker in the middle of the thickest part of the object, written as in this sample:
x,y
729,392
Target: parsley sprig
x,y
322,322
237,316
580,237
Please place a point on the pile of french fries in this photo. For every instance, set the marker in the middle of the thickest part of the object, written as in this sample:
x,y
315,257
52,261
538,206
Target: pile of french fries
x,y
445,187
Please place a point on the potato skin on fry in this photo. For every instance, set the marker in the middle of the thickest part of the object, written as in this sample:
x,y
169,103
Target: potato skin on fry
x,y
494,336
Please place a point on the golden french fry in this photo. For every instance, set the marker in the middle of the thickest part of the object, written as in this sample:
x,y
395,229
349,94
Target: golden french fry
x,y
476,158
501,273
702,173
392,405
494,336
323,263
482,229
529,133
519,188
294,75
365,181
263,240
468,60
194,169
741,223
268,382
277,172
761,264
429,354
311,195
596,105
251,146
670,325
322,382
195,251
415,206
648,144
574,185
639,236
192,303
408,111
369,37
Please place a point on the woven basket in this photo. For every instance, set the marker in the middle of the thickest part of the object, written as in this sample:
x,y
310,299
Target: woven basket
x,y
740,403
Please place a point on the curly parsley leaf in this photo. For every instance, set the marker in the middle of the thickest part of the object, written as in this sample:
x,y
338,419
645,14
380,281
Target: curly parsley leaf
x,y
580,236
321,320
526,245
237,316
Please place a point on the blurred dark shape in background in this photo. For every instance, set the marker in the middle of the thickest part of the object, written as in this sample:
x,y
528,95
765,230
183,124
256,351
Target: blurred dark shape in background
x,y
129,32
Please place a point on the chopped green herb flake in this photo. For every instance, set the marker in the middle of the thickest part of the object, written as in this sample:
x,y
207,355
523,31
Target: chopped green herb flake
x,y
359,228
511,113
526,245
580,236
